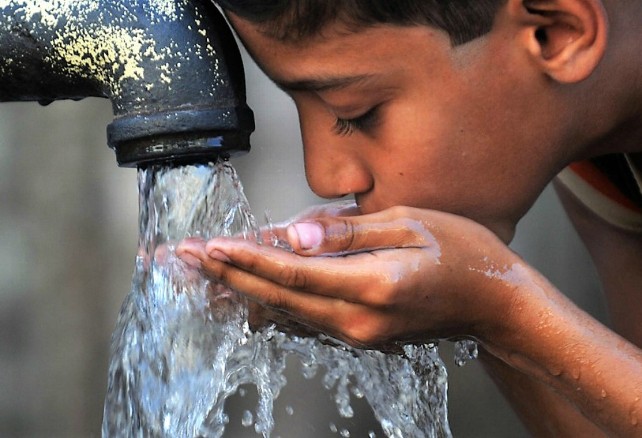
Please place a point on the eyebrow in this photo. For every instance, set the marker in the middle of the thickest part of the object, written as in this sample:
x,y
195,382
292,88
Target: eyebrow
x,y
322,83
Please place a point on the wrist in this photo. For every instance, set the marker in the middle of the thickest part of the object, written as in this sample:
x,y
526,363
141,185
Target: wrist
x,y
524,300
537,328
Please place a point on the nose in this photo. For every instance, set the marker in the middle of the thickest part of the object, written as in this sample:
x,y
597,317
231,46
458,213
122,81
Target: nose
x,y
334,164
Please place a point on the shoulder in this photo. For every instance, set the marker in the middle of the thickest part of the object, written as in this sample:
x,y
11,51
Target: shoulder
x,y
610,186
610,224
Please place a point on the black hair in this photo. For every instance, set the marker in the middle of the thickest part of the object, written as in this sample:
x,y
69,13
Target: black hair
x,y
293,20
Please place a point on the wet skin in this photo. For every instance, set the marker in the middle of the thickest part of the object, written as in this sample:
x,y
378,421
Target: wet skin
x,y
444,149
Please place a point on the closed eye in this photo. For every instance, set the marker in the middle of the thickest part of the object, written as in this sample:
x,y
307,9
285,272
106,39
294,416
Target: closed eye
x,y
364,123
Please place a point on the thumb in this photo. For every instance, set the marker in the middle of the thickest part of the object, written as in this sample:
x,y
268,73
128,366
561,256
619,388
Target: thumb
x,y
345,235
307,237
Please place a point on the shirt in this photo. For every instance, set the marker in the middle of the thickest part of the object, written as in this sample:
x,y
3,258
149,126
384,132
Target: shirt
x,y
610,186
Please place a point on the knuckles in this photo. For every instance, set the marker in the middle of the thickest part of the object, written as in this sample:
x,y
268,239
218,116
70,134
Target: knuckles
x,y
401,211
340,235
366,330
280,301
293,278
399,227
382,296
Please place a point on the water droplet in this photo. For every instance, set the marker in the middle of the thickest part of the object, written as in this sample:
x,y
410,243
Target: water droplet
x,y
357,392
333,428
465,351
576,373
247,419
555,372
167,421
603,393
371,434
289,410
345,433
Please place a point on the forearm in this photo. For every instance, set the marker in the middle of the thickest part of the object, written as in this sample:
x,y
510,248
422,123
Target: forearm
x,y
543,411
548,339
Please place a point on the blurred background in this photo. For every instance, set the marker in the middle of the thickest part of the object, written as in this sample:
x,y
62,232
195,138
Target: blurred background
x,y
68,238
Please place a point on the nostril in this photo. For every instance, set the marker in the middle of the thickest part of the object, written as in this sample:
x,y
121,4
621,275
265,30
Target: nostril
x,y
339,182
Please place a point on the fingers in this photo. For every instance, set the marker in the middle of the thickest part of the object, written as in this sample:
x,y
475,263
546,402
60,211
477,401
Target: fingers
x,y
362,275
277,234
350,297
354,276
307,313
309,307
268,302
300,313
392,228
260,316
189,250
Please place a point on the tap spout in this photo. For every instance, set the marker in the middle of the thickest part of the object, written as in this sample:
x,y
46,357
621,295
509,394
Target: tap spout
x,y
171,69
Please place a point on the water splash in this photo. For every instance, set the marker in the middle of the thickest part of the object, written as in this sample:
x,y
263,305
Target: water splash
x,y
182,343
465,351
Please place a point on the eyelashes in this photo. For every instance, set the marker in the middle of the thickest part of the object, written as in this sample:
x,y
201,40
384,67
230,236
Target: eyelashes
x,y
364,123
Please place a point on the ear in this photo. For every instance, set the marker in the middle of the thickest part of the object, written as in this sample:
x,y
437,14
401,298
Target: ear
x,y
566,38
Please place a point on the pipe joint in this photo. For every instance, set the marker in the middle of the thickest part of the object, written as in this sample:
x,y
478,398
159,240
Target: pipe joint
x,y
171,69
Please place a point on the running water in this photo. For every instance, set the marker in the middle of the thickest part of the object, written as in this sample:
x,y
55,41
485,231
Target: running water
x,y
182,344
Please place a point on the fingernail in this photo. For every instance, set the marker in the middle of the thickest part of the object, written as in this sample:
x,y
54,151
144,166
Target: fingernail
x,y
190,260
309,234
190,244
218,255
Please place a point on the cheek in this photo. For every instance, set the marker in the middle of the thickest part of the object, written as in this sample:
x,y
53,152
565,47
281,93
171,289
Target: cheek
x,y
428,161
445,170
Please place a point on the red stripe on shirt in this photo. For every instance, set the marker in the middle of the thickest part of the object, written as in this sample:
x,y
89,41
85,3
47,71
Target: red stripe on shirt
x,y
600,182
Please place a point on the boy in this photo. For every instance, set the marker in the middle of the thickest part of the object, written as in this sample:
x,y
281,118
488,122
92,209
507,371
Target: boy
x,y
445,120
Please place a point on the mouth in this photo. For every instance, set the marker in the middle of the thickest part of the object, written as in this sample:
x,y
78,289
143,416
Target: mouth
x,y
368,204
358,206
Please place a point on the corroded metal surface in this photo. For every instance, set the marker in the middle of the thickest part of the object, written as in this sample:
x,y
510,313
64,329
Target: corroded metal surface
x,y
171,69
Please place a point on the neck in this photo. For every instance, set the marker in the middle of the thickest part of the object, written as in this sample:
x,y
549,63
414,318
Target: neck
x,y
610,101
623,75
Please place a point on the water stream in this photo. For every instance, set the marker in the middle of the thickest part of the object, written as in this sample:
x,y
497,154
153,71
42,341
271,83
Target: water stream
x,y
182,345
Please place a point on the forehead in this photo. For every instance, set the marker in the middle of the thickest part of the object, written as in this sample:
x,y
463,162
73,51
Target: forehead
x,y
358,52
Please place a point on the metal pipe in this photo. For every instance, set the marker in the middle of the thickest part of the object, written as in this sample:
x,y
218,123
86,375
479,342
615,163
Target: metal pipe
x,y
171,69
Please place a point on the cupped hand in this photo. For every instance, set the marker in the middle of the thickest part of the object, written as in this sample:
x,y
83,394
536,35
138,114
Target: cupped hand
x,y
399,275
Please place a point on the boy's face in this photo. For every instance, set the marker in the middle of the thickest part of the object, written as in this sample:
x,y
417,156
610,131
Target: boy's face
x,y
463,129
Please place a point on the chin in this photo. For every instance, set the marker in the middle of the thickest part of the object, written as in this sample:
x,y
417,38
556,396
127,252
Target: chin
x,y
367,204
365,207
504,230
